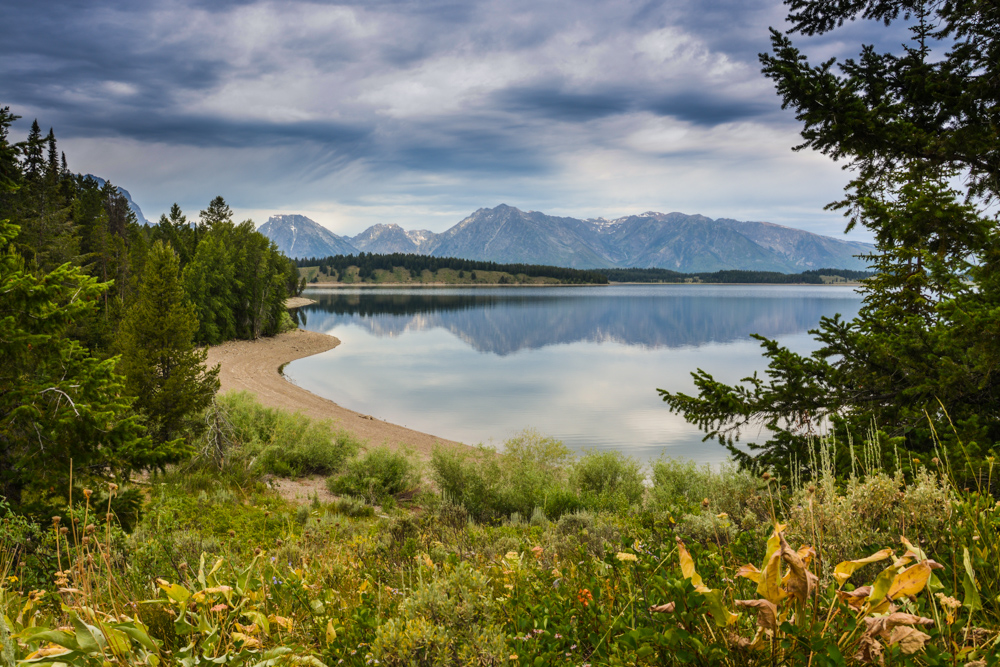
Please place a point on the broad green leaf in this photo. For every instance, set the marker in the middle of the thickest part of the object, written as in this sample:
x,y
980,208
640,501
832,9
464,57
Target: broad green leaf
x,y
972,600
139,634
175,592
60,637
722,616
118,642
90,639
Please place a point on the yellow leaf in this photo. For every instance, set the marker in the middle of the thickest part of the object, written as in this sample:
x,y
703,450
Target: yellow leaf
x,y
363,587
844,570
750,572
769,586
331,632
773,542
910,581
687,565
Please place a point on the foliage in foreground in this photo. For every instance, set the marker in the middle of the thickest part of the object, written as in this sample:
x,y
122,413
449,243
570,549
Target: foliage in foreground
x,y
217,577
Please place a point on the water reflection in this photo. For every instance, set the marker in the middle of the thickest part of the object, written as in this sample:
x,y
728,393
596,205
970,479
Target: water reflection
x,y
578,364
503,321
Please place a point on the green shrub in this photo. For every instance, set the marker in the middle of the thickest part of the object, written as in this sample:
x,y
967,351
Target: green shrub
x,y
681,487
379,474
530,472
609,480
247,440
450,620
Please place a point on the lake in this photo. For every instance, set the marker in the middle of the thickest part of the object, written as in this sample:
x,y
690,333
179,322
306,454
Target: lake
x,y
581,364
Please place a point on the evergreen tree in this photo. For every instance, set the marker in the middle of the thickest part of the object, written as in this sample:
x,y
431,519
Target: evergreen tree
x,y
10,170
52,164
218,211
208,281
921,353
162,368
33,153
59,406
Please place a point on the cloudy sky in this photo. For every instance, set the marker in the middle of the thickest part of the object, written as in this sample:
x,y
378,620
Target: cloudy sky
x,y
421,111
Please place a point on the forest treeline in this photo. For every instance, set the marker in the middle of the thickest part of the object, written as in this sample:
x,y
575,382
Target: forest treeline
x,y
368,263
101,316
814,277
336,266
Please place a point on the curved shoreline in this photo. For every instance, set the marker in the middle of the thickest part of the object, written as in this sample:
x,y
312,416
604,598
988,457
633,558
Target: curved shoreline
x,y
255,366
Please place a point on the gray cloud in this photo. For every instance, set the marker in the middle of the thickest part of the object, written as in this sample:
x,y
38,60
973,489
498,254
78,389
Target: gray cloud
x,y
348,107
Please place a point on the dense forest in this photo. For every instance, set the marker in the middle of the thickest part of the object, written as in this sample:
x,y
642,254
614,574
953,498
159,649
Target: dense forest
x,y
100,318
814,277
366,264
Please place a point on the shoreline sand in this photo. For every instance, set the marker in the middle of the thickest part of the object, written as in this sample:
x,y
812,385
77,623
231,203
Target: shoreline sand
x,y
255,366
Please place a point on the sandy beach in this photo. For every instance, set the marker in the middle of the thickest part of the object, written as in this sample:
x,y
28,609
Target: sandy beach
x,y
255,366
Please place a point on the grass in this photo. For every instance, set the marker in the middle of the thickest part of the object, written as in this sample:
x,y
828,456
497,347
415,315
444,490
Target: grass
x,y
526,556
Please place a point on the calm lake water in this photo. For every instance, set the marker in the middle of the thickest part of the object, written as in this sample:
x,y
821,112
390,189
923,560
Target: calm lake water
x,y
581,364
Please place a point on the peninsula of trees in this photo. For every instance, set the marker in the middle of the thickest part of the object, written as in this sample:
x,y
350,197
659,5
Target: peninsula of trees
x,y
409,268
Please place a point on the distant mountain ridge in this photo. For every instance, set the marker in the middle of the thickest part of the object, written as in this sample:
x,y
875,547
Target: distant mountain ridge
x,y
298,236
676,241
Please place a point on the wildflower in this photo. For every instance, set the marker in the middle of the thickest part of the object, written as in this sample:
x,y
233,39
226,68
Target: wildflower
x,y
511,555
766,476
622,556
584,597
537,551
56,520
948,602
87,493
220,607
573,647
722,515
558,636
705,503
232,533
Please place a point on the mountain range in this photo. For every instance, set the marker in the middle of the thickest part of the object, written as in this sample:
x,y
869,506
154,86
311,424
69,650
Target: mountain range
x,y
685,243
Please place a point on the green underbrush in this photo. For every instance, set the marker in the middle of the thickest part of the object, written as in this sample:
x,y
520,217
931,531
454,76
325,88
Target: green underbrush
x,y
527,555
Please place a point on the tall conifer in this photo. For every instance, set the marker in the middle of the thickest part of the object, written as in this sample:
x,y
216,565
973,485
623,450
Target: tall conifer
x,y
162,368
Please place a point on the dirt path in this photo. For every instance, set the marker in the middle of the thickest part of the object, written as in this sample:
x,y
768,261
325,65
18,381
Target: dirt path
x,y
254,366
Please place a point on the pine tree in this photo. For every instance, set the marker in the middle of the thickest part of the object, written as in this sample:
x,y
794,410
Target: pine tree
x,y
33,153
162,368
59,406
921,361
10,170
52,164
218,211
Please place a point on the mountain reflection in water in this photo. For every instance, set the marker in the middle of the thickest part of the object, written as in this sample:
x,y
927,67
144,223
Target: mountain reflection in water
x,y
504,320
580,364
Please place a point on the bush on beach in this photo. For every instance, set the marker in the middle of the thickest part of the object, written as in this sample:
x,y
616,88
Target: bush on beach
x,y
248,440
